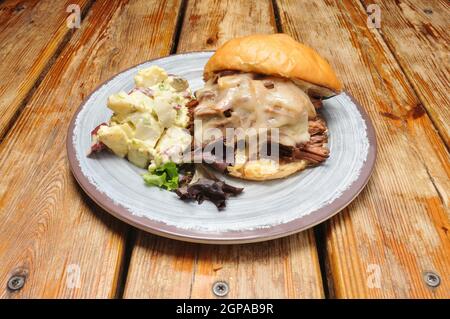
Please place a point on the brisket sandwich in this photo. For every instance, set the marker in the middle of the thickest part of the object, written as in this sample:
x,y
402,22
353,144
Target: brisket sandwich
x,y
269,82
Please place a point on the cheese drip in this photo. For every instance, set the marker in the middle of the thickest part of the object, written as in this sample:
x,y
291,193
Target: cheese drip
x,y
245,101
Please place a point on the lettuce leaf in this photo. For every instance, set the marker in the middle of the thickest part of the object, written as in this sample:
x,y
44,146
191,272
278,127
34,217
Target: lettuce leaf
x,y
164,176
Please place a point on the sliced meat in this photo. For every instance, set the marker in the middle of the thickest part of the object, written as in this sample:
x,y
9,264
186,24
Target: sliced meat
x,y
317,126
313,154
319,139
317,103
192,104
217,163
204,94
216,160
314,150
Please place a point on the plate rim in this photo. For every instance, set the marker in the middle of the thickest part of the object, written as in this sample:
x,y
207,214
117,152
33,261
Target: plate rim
x,y
222,237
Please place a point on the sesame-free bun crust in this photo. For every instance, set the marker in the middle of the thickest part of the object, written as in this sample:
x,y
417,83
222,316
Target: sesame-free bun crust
x,y
274,55
263,170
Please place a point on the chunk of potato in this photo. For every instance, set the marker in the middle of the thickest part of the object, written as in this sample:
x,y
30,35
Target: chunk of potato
x,y
121,103
139,153
148,130
174,143
150,76
114,138
165,112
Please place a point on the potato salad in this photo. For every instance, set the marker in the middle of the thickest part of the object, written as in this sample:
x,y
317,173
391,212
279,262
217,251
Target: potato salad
x,y
148,125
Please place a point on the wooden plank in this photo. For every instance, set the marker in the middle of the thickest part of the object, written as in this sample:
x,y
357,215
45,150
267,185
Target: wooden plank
x,y
49,231
417,33
208,24
285,268
397,229
29,38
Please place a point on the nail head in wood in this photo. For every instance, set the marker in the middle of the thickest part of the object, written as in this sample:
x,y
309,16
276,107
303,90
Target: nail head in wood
x,y
16,283
432,279
220,288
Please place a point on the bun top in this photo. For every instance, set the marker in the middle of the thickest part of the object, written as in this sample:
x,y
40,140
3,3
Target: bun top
x,y
275,55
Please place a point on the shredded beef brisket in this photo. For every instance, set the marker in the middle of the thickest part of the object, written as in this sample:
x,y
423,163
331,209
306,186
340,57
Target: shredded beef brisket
x,y
314,150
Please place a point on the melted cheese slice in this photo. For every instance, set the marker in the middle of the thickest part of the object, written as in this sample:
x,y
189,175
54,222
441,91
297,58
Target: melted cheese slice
x,y
246,102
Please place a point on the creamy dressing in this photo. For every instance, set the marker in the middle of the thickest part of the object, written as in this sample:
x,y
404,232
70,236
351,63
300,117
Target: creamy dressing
x,y
248,102
149,128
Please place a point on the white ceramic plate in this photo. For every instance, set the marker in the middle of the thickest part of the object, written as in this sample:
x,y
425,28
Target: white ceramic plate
x,y
265,210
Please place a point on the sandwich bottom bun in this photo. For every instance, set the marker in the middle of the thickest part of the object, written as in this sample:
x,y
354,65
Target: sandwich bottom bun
x,y
265,169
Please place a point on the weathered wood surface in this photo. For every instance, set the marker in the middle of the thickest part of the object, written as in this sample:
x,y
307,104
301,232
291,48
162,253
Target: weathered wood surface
x,y
29,38
397,228
285,268
380,246
417,32
49,230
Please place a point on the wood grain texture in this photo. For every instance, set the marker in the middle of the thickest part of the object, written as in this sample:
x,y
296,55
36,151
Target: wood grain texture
x,y
282,268
285,268
417,33
397,228
49,230
29,38
208,24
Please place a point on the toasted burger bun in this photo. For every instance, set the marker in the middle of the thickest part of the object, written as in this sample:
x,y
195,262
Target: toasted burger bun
x,y
275,55
262,170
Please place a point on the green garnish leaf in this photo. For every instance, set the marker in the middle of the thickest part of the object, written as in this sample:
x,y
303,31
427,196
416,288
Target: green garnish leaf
x,y
164,176
154,180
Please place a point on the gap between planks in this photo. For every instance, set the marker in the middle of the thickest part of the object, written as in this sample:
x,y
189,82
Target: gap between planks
x,y
194,254
391,48
319,234
133,232
394,62
318,230
44,71
419,98
98,9
178,27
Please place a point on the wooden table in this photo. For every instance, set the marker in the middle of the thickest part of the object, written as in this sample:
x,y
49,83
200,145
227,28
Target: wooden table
x,y
382,245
